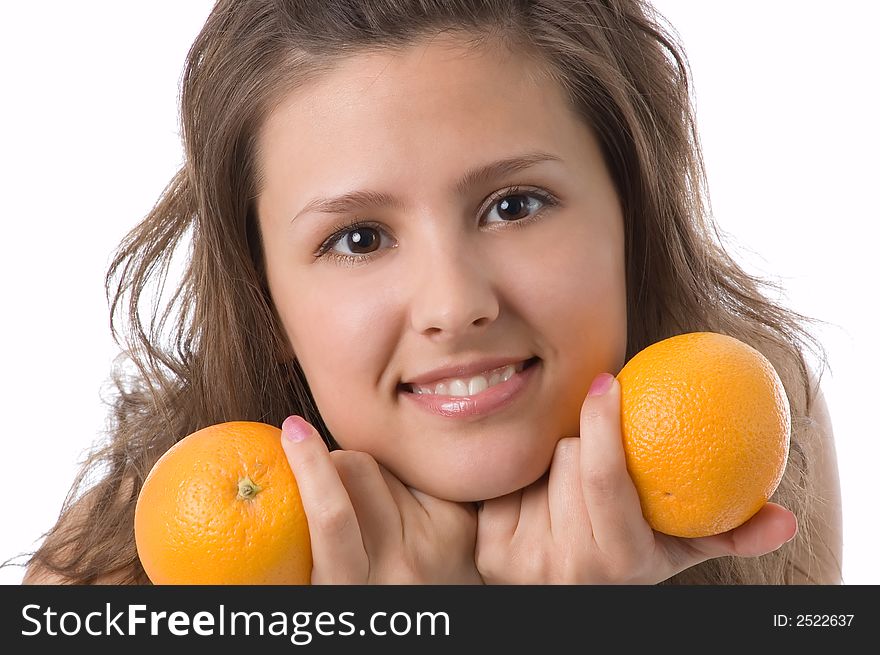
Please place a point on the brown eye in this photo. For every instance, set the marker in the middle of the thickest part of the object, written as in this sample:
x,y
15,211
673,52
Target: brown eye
x,y
514,207
361,240
356,241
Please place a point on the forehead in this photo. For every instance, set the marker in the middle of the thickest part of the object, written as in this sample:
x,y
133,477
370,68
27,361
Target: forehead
x,y
435,103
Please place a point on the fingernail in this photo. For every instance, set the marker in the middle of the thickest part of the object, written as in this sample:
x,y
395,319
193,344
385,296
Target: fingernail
x,y
796,528
601,384
295,428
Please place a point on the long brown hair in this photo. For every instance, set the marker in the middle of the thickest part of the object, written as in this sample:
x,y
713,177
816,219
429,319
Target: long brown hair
x,y
212,348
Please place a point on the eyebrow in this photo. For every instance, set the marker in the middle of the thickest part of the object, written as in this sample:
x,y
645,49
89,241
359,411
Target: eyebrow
x,y
355,200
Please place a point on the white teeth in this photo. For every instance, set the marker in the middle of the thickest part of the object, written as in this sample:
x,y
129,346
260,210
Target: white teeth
x,y
470,387
477,384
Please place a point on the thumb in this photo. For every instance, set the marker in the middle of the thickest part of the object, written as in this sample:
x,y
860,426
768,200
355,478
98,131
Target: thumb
x,y
771,528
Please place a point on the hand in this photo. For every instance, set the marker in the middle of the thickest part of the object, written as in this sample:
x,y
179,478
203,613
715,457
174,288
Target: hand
x,y
367,527
582,523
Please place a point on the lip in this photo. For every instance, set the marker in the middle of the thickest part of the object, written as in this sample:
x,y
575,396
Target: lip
x,y
463,370
486,402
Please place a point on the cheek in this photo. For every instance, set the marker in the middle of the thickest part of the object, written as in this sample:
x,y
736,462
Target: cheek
x,y
327,318
339,333
592,309
580,315
579,293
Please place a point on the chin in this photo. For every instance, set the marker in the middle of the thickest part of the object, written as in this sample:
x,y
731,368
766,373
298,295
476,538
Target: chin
x,y
480,469
471,490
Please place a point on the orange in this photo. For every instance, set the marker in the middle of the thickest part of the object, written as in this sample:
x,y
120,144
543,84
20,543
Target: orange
x,y
221,506
706,427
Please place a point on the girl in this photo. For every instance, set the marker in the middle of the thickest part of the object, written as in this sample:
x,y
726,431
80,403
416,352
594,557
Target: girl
x,y
421,235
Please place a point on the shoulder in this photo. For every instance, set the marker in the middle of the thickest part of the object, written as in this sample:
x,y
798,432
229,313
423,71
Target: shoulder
x,y
822,564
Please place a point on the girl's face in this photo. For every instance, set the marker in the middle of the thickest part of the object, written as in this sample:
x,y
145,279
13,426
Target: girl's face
x,y
487,232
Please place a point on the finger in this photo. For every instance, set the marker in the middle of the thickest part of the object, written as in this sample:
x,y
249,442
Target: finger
x,y
378,515
416,503
448,519
535,512
568,515
766,531
439,508
498,518
338,553
610,495
410,501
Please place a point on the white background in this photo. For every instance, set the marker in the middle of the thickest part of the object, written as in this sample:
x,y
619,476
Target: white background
x,y
787,108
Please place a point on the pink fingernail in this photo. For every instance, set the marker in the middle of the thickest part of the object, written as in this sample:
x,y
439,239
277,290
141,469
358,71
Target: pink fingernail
x,y
601,384
295,429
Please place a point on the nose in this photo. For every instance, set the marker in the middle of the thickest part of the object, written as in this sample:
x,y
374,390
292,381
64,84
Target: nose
x,y
454,294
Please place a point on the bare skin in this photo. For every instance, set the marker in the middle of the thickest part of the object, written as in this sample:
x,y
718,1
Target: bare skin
x,y
448,277
454,277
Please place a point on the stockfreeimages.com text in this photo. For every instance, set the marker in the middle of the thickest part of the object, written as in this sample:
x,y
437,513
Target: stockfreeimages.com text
x,y
301,627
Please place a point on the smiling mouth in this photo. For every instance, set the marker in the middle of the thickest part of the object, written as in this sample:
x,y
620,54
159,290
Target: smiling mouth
x,y
470,386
